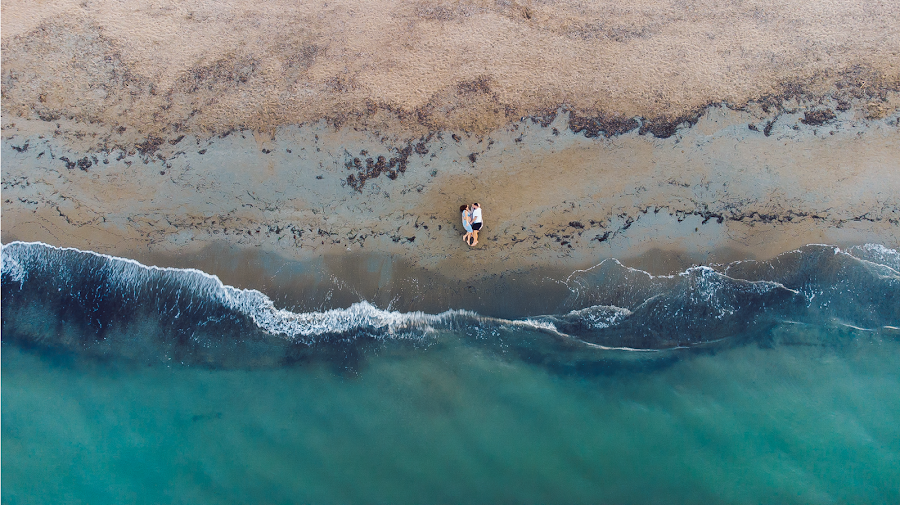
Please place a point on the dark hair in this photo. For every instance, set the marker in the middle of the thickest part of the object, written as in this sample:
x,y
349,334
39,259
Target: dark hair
x,y
476,204
462,208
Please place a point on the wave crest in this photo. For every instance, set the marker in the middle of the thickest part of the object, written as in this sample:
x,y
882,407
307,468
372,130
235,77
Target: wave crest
x,y
611,305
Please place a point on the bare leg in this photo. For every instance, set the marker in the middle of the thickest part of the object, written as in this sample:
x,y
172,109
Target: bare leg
x,y
475,237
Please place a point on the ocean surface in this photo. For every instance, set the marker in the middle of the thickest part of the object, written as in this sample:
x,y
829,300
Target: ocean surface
x,y
752,382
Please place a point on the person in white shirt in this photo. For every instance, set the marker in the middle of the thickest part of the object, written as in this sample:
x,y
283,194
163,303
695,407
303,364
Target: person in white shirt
x,y
476,222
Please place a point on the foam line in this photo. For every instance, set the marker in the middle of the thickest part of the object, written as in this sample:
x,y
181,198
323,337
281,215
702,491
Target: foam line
x,y
689,301
306,326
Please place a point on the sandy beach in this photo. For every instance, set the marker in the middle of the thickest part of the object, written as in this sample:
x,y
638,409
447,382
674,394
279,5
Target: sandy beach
x,y
656,133
233,267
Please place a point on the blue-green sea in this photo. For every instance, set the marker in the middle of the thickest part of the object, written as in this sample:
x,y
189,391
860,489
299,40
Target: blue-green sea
x,y
754,382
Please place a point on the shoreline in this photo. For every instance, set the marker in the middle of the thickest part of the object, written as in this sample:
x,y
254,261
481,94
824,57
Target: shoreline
x,y
391,284
716,191
586,131
611,305
232,250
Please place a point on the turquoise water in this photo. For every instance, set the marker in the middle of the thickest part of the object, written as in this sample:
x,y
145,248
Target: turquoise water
x,y
454,422
753,382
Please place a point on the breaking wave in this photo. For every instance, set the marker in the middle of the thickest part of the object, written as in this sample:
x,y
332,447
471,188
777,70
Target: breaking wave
x,y
90,302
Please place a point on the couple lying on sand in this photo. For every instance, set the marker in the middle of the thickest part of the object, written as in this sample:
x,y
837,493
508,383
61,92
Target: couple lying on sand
x,y
471,219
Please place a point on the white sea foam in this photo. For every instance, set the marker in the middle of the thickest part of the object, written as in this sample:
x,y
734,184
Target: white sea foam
x,y
130,275
599,317
878,255
720,295
13,269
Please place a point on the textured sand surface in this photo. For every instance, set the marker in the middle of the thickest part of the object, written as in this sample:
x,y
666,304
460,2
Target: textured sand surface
x,y
194,67
711,130
714,192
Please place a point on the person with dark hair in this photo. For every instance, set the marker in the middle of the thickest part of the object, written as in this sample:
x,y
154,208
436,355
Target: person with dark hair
x,y
477,222
467,222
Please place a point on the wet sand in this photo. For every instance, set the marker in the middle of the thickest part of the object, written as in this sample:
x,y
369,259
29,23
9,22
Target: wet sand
x,y
712,193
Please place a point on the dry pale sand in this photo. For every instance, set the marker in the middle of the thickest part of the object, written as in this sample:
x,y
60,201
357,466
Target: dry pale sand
x,y
194,67
707,130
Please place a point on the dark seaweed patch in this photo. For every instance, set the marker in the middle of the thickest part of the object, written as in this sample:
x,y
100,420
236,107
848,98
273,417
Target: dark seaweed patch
x,y
595,126
375,167
478,85
818,117
224,72
150,145
665,128
545,119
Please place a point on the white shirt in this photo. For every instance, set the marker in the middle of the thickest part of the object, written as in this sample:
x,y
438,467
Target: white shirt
x,y
476,215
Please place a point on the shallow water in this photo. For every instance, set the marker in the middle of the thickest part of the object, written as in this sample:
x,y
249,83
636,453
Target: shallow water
x,y
769,400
